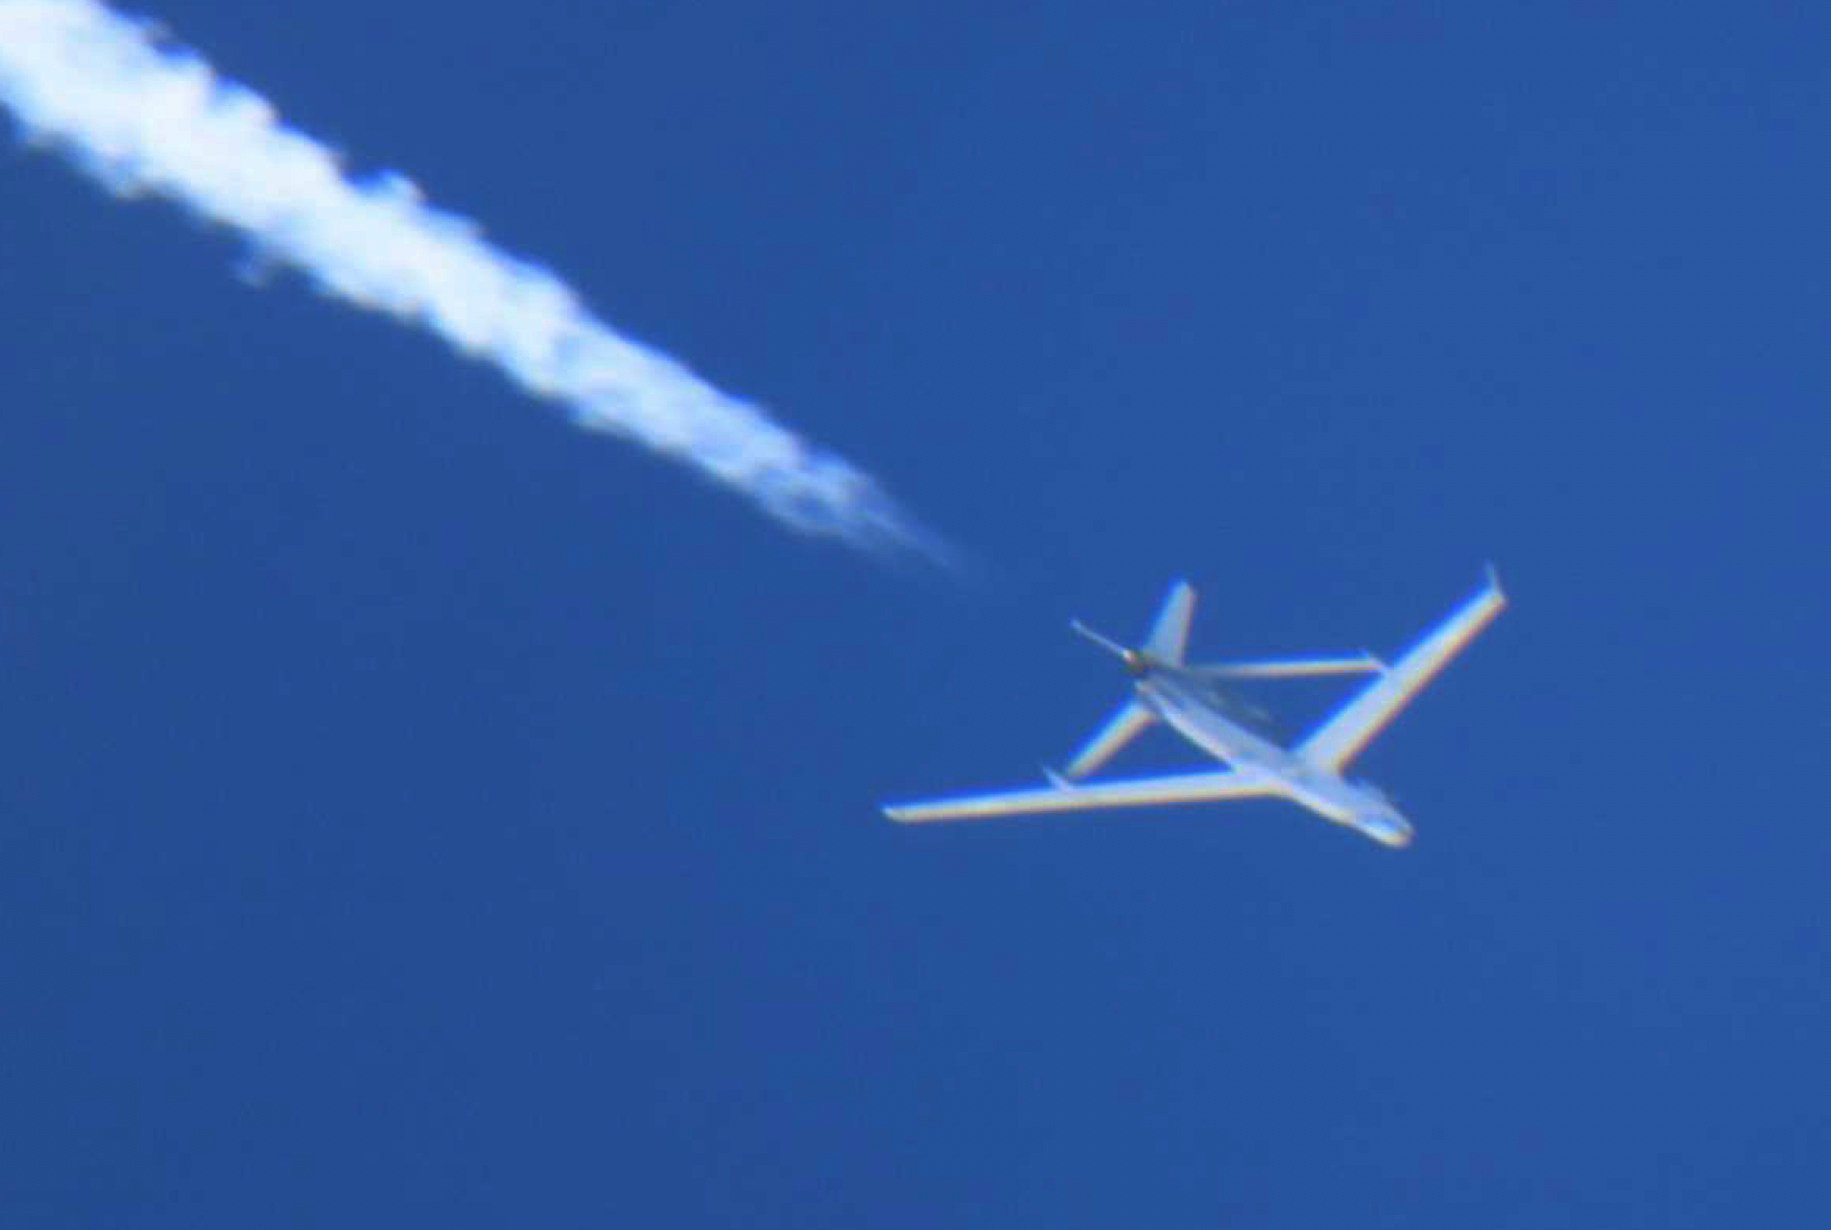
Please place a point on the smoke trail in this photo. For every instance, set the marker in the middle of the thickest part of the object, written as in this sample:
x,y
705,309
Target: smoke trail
x,y
143,119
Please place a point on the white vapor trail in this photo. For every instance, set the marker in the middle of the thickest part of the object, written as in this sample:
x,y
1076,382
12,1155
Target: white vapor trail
x,y
145,119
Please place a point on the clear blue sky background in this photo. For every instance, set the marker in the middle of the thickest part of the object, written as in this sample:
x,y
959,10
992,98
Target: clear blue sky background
x,y
413,812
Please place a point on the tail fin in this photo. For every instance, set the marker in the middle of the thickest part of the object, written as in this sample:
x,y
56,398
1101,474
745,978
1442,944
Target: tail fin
x,y
1169,636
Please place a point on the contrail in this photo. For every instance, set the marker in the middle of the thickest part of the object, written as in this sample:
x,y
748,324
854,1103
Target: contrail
x,y
145,119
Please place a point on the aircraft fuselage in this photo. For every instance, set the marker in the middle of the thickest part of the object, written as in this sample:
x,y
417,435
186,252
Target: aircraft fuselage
x,y
1192,706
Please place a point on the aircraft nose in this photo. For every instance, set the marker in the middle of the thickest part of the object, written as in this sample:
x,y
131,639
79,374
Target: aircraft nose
x,y
1389,829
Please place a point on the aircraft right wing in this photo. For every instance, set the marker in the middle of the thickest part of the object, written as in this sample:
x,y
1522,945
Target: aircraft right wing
x,y
1341,737
1135,792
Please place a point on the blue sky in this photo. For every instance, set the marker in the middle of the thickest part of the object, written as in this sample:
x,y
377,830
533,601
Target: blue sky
x,y
413,809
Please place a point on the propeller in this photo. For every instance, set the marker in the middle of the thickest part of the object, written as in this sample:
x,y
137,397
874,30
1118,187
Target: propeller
x,y
1134,661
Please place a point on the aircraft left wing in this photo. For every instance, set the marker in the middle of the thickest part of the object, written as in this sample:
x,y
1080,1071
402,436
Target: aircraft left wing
x,y
1342,737
1134,792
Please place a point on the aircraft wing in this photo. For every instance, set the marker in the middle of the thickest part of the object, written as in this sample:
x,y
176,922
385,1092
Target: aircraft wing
x,y
1342,737
1134,792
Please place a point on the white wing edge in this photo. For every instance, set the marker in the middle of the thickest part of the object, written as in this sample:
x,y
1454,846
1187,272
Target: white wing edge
x,y
1136,792
1342,737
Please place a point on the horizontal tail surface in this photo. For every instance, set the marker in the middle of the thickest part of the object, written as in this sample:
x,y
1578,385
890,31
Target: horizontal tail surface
x,y
1294,668
1169,638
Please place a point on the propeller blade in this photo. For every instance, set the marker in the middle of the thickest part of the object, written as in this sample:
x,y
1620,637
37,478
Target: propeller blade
x,y
1111,646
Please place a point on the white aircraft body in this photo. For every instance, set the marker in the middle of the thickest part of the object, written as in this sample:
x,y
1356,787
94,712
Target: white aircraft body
x,y
1193,700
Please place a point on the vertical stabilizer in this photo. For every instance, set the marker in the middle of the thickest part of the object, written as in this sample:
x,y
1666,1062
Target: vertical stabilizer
x,y
1170,634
